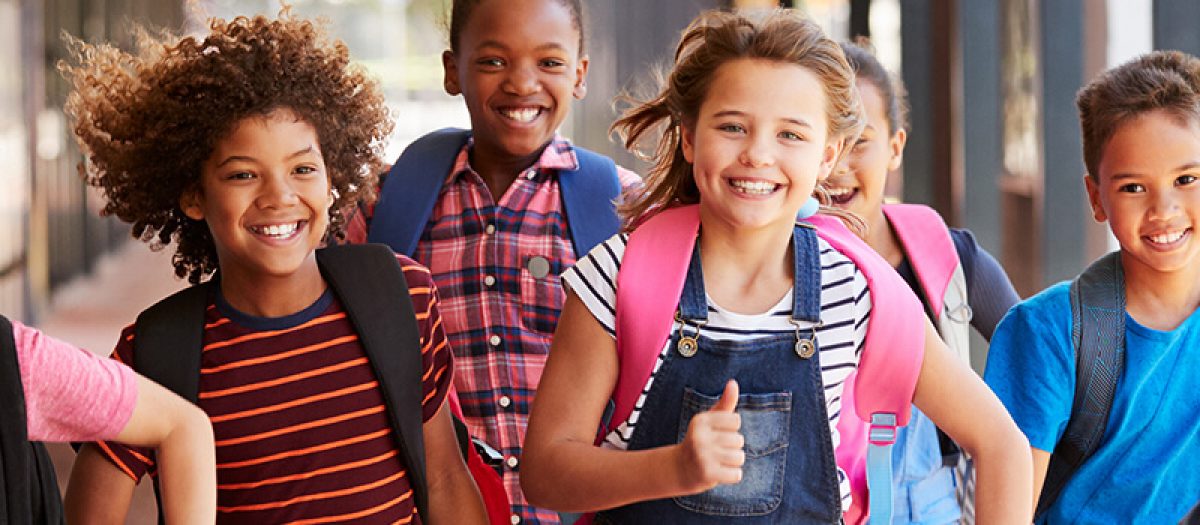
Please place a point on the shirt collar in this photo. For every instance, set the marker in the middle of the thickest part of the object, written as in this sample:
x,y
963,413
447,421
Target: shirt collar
x,y
558,155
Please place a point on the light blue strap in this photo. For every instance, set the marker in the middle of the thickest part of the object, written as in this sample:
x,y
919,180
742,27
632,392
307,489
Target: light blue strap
x,y
879,467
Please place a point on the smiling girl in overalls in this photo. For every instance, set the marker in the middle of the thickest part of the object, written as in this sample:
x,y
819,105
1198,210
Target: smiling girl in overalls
x,y
736,420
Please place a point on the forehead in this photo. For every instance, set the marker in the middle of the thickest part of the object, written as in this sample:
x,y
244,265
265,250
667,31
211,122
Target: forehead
x,y
767,89
1149,144
281,129
872,100
521,23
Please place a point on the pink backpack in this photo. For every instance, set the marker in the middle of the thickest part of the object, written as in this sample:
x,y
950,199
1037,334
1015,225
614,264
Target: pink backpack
x,y
648,287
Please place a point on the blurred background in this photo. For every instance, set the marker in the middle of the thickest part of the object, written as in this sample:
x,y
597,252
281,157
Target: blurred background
x,y
994,144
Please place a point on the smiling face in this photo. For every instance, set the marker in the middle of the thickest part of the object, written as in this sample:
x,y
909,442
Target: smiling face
x,y
264,194
1149,193
860,179
758,148
518,66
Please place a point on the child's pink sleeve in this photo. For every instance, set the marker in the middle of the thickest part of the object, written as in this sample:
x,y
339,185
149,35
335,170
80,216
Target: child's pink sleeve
x,y
70,393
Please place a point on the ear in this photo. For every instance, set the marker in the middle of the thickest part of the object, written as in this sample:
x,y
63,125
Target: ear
x,y
581,68
192,203
896,144
687,139
1093,190
450,68
830,157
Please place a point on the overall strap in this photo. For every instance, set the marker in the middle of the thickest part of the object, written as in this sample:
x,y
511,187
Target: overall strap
x,y
648,287
16,504
412,188
589,194
880,391
1098,335
371,285
927,244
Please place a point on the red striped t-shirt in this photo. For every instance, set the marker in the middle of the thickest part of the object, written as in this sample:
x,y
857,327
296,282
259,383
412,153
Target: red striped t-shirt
x,y
301,429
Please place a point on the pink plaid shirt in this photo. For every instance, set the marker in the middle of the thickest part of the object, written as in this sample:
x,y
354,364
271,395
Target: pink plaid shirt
x,y
500,314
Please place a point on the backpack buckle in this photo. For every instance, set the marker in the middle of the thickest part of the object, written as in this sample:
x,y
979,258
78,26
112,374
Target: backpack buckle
x,y
883,429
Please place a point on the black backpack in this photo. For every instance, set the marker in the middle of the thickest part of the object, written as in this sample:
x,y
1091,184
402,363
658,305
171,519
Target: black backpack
x,y
1098,337
371,286
29,493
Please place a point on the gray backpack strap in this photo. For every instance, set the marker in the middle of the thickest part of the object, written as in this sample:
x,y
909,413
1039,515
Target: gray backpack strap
x,y
1098,337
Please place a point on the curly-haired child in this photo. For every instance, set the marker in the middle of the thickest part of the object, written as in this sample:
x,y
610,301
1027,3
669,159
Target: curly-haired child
x,y
243,146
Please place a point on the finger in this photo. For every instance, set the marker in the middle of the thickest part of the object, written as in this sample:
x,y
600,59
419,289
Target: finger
x,y
729,398
723,421
729,475
731,440
732,459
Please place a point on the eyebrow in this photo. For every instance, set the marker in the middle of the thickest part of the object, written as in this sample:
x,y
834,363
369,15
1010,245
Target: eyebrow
x,y
736,113
246,158
1190,166
498,45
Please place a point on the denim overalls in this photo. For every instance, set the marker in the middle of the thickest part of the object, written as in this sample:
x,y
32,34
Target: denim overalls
x,y
925,491
790,475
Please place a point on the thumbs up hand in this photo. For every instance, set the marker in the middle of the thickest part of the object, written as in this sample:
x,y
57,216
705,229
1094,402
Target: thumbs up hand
x,y
711,452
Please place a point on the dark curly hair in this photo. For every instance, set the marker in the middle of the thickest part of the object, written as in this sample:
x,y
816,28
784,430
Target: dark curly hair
x,y
461,10
147,120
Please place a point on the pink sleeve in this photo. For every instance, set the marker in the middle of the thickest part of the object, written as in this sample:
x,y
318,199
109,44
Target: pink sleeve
x,y
70,393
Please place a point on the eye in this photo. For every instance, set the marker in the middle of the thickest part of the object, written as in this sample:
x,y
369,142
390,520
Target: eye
x,y
304,170
1131,188
553,63
240,175
790,135
490,62
860,143
1185,180
732,128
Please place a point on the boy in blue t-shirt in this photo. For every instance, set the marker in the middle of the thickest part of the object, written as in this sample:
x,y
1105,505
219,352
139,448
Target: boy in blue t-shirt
x,y
1141,144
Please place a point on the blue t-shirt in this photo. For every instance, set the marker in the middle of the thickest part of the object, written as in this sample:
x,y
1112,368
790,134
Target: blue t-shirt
x,y
1147,469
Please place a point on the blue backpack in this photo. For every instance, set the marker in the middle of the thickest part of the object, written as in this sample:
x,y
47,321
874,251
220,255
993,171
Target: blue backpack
x,y
415,181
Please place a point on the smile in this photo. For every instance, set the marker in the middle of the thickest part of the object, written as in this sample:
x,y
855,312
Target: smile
x,y
1167,240
278,231
840,195
753,187
523,115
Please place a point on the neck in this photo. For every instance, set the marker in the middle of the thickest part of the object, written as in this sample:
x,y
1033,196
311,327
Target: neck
x,y
746,271
1159,300
499,169
273,296
882,239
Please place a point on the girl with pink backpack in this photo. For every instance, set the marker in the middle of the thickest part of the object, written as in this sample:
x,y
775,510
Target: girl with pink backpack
x,y
713,343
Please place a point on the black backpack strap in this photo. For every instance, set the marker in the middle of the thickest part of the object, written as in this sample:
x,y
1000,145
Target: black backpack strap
x,y
29,493
371,285
169,338
1098,336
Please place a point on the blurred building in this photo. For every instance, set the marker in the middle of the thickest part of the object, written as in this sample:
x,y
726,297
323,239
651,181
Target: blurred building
x,y
994,145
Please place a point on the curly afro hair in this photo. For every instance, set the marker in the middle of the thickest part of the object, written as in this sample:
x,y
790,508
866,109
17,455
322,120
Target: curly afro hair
x,y
147,121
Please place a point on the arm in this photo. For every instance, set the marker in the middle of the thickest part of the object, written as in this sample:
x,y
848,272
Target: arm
x,y
563,470
1041,463
989,291
99,492
453,497
960,404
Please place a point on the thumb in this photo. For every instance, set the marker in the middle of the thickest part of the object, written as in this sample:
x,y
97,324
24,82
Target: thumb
x,y
729,398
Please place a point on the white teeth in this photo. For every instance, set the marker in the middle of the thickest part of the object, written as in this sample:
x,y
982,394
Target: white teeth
x,y
1167,238
839,192
522,115
754,187
278,230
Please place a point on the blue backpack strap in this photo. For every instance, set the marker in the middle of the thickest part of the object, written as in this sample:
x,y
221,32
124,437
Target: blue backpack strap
x,y
589,194
412,188
1098,334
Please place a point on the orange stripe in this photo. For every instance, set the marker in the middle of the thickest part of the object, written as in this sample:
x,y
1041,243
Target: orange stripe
x,y
422,290
283,380
302,426
303,451
320,495
307,475
139,456
437,326
416,268
272,333
361,513
280,356
112,457
441,348
290,404
219,322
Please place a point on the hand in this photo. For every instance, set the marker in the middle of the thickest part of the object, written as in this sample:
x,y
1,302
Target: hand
x,y
711,453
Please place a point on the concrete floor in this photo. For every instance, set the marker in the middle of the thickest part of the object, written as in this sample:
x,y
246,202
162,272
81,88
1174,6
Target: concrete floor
x,y
91,311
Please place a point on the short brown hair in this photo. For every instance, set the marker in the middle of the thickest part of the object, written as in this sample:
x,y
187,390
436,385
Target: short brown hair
x,y
716,38
147,120
1161,80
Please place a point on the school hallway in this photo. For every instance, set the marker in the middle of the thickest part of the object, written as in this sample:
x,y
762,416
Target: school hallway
x,y
90,312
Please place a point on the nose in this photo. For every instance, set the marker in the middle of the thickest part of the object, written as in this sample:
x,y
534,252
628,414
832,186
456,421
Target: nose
x,y
521,80
1164,204
277,191
757,152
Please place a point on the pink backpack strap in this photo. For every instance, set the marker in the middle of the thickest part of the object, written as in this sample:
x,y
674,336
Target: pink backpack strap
x,y
930,249
877,397
648,286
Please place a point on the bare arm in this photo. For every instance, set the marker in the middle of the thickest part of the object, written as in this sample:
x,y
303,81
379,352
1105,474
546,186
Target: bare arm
x,y
1041,463
453,497
563,470
960,404
99,492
